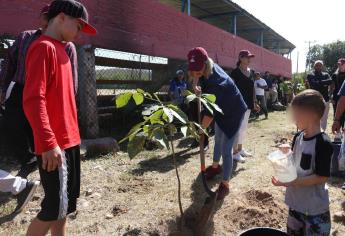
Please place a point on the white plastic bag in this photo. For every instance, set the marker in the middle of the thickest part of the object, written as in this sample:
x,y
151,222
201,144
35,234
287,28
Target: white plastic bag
x,y
284,168
342,157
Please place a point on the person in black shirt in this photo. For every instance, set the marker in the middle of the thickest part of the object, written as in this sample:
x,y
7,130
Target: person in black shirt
x,y
338,78
321,82
244,80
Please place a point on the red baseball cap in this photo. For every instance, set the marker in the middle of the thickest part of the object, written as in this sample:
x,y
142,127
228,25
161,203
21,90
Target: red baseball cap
x,y
74,9
197,58
341,61
45,9
245,53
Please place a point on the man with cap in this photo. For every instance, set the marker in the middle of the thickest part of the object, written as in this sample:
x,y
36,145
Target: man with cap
x,y
12,80
177,86
260,86
210,78
50,107
320,81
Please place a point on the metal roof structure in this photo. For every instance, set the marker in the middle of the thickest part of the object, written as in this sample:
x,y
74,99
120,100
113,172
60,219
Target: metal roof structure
x,y
229,16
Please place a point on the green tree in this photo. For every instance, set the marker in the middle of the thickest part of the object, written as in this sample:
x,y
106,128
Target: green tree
x,y
160,123
328,53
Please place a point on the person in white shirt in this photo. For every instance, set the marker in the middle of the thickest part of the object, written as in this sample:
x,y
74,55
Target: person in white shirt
x,y
260,86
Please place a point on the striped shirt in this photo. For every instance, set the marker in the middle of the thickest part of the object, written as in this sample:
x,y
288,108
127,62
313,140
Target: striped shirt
x,y
13,67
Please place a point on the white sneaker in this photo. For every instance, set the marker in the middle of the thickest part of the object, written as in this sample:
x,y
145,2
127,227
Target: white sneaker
x,y
239,158
244,153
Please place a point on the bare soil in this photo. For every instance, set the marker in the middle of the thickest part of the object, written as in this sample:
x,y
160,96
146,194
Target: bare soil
x,y
139,197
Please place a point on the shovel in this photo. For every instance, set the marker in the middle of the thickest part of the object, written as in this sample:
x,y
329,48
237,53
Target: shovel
x,y
210,202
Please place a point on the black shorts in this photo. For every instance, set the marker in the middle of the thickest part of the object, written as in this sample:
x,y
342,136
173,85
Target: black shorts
x,y
61,187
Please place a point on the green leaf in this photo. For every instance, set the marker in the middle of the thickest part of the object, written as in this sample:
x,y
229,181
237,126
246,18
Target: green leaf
x,y
169,114
217,108
160,136
191,98
186,93
207,106
149,110
156,117
210,97
134,130
178,113
123,99
138,98
184,130
140,91
193,131
200,128
135,146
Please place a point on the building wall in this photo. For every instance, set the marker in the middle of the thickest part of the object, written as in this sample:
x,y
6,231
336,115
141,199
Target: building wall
x,y
148,27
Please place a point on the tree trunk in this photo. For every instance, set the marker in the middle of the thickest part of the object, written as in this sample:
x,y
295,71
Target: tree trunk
x,y
178,182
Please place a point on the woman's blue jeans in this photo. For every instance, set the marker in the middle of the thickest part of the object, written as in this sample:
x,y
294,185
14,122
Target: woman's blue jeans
x,y
223,148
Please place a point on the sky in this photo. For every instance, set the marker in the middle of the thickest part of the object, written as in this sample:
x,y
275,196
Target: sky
x,y
300,21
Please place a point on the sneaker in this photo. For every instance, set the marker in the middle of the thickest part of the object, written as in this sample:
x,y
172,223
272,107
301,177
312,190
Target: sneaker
x,y
24,197
244,153
212,172
239,158
27,169
223,191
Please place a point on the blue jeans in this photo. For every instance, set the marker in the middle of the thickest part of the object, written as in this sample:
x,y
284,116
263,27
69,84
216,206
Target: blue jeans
x,y
223,148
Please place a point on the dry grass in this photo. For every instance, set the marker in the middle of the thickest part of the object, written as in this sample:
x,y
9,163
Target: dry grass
x,y
138,197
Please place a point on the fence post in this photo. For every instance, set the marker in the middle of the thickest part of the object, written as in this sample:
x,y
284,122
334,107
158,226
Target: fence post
x,y
87,92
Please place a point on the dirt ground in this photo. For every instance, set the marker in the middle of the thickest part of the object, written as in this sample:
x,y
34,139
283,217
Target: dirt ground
x,y
139,197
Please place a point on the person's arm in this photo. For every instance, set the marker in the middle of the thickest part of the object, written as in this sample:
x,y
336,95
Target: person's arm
x,y
263,85
339,110
323,156
72,54
327,81
206,121
39,68
9,67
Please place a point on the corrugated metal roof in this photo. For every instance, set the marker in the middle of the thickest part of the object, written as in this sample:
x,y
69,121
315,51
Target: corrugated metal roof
x,y
219,13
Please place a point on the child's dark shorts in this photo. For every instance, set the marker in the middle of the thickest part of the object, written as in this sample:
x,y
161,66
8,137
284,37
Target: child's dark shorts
x,y
61,187
299,224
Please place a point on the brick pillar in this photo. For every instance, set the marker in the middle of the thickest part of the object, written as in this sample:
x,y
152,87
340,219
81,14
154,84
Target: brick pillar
x,y
87,92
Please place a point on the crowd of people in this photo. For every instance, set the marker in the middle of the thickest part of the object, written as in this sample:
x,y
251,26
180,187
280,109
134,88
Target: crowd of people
x,y
38,81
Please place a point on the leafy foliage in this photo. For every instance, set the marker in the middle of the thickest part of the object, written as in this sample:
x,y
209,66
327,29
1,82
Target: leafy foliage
x,y
161,120
329,53
298,82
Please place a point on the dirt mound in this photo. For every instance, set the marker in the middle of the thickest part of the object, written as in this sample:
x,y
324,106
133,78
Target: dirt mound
x,y
258,196
257,208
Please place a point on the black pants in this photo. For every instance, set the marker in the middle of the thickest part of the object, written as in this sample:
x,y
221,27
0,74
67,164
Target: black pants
x,y
19,136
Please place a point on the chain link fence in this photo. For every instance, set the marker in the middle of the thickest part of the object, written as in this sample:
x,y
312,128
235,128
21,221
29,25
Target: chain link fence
x,y
118,72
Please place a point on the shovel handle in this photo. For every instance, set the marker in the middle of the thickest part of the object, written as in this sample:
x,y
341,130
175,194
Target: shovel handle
x,y
202,154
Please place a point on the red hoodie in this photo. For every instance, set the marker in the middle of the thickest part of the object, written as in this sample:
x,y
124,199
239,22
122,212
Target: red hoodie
x,y
48,98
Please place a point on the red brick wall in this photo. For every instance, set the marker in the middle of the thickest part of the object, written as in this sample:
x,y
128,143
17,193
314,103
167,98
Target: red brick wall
x,y
148,27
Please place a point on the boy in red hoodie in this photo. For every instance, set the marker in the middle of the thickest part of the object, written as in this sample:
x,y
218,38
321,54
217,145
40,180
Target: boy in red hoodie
x,y
50,107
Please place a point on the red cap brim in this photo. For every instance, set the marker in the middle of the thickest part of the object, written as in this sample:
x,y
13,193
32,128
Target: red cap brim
x,y
251,55
88,29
